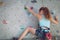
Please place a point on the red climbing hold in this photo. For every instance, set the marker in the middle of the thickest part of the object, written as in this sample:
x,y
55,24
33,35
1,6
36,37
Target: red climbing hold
x,y
31,7
4,22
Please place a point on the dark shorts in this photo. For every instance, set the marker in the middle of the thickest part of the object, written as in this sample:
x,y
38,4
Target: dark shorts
x,y
41,33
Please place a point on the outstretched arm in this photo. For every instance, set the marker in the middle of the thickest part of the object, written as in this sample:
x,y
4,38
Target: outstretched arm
x,y
55,20
31,11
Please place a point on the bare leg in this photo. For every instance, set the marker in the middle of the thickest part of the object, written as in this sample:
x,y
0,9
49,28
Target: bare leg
x,y
29,29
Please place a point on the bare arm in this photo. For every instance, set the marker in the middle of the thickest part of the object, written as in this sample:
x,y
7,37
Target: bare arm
x,y
55,20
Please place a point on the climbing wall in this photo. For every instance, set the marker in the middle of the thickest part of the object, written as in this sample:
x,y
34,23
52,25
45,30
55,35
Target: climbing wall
x,y
14,19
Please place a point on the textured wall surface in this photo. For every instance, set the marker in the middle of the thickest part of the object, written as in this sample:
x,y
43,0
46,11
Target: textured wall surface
x,y
14,18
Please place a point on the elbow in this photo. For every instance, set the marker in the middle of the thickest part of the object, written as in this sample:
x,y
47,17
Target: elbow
x,y
56,22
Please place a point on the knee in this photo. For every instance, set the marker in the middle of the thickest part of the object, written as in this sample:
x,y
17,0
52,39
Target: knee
x,y
29,28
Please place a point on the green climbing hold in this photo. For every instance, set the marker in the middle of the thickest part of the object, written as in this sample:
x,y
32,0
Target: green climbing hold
x,y
22,28
25,8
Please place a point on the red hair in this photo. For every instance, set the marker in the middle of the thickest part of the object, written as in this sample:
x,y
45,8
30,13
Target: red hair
x,y
46,12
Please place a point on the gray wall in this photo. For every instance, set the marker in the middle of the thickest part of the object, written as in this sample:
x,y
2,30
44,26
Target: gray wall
x,y
17,19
